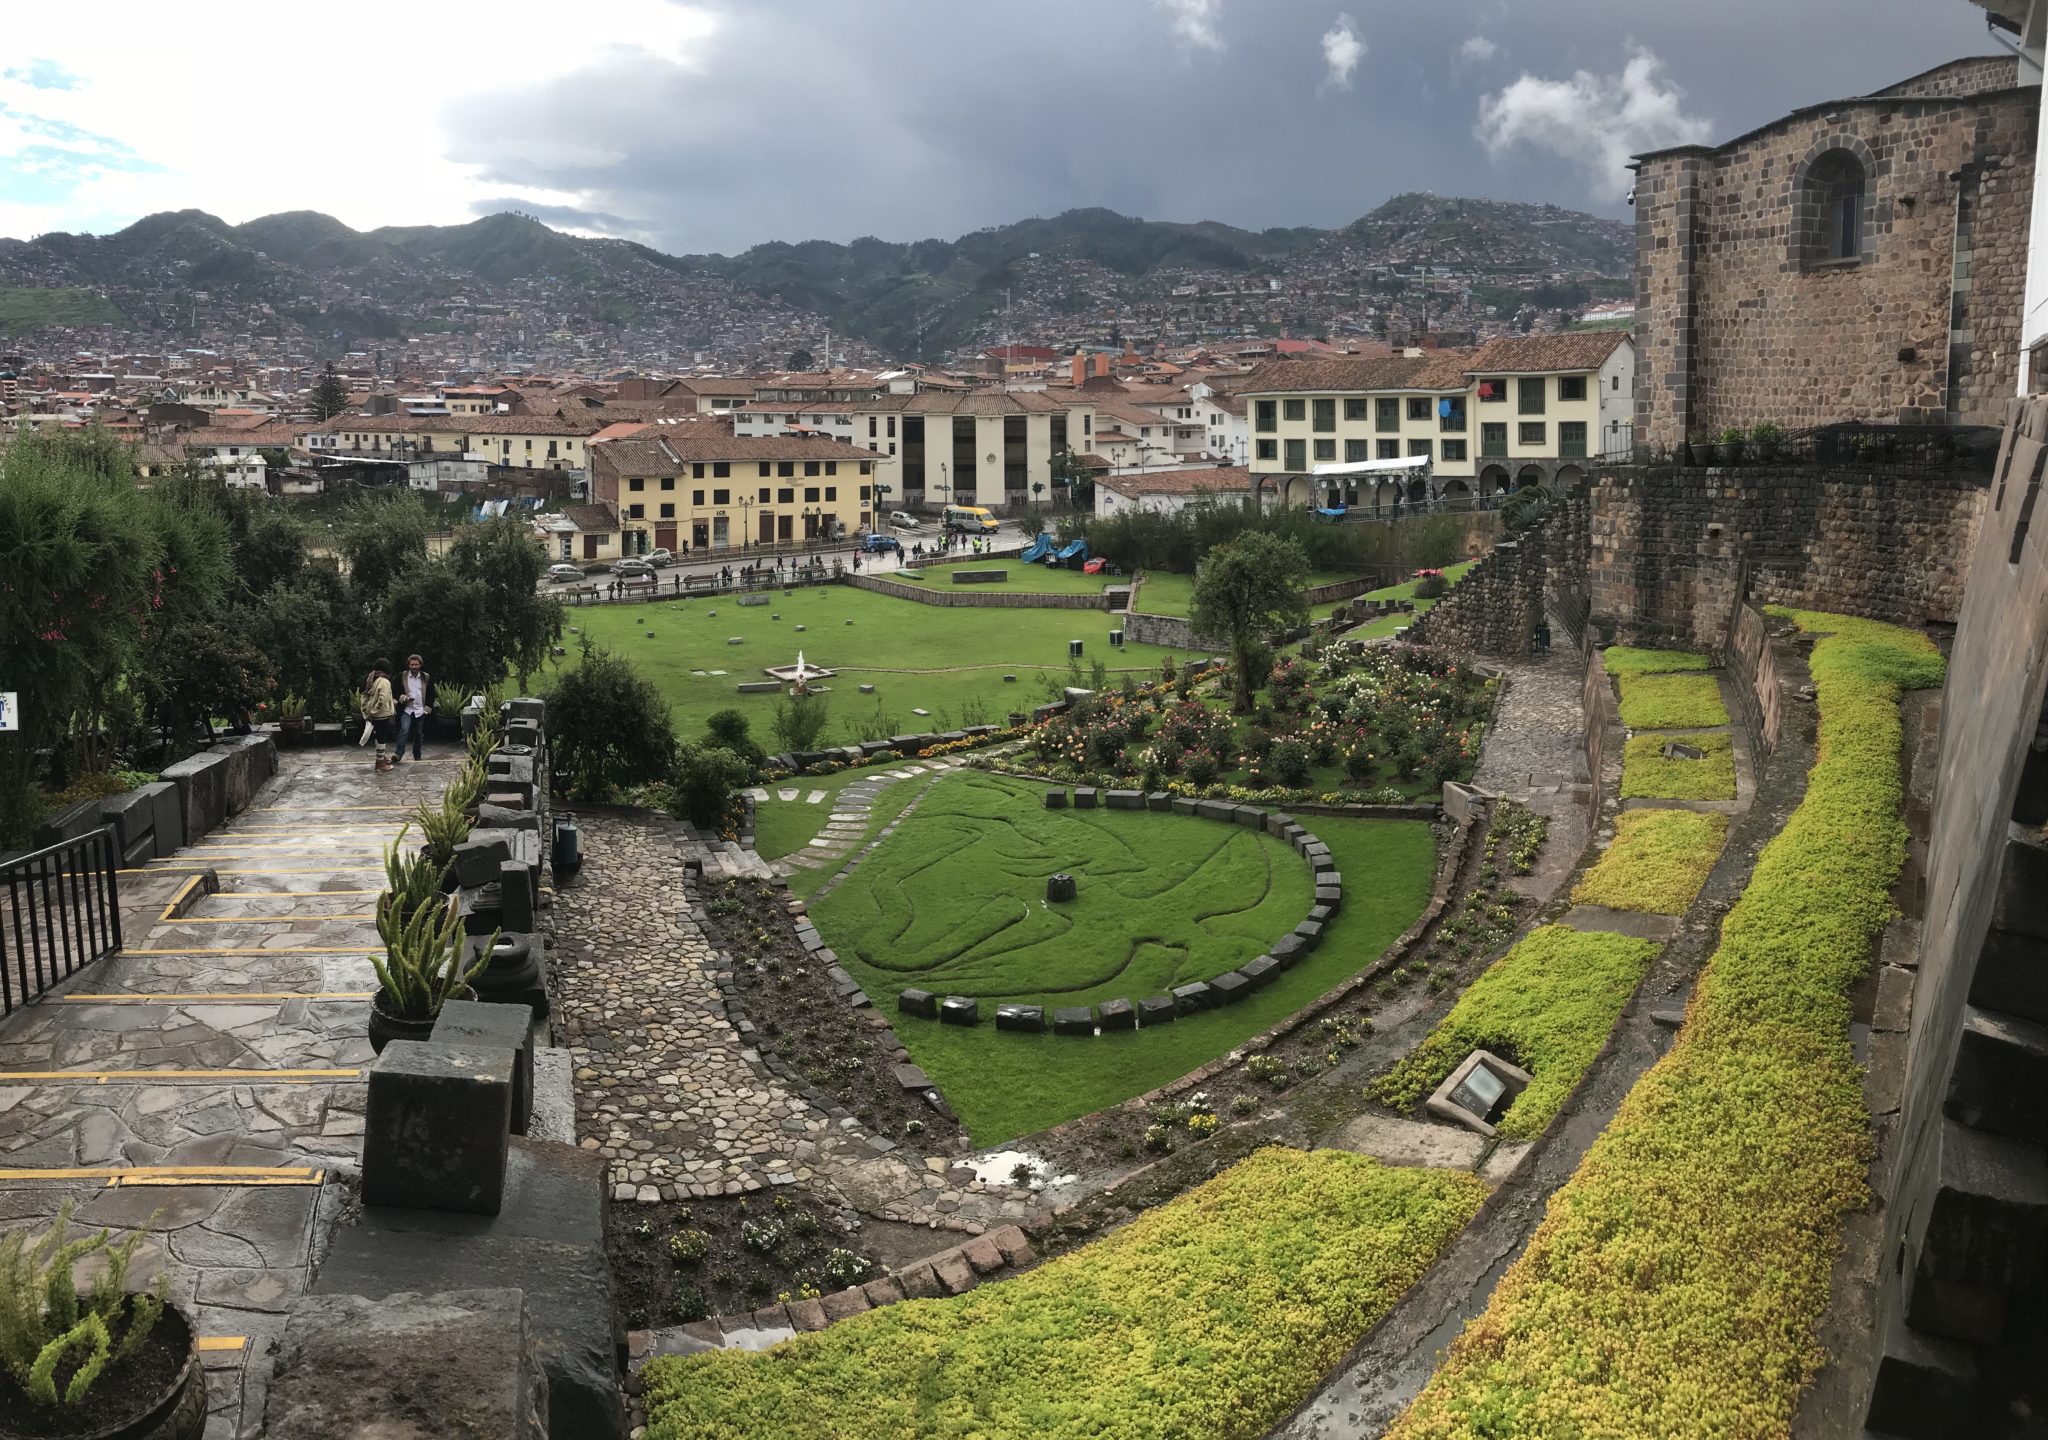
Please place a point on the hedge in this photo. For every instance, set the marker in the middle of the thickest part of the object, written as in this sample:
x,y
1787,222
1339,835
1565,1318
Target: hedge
x,y
1657,863
1627,660
1212,1315
1647,775
1677,1282
1547,1005
1671,702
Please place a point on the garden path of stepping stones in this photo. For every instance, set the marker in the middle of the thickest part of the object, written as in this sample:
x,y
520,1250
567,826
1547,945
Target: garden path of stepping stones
x,y
846,824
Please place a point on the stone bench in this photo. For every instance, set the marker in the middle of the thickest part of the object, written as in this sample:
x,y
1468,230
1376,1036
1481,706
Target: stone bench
x,y
980,577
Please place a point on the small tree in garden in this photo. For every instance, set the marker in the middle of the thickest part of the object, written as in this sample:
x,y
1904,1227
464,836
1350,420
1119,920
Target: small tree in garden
x,y
729,730
1246,590
607,728
800,722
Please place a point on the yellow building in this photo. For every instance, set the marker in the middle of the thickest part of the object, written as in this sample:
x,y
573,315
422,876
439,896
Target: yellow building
x,y
529,442
698,484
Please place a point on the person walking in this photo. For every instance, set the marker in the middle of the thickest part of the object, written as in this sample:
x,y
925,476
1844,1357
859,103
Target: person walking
x,y
415,699
379,711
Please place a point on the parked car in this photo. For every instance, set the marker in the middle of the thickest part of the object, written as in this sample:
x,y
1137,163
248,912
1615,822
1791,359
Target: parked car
x,y
660,559
881,545
903,520
564,574
632,567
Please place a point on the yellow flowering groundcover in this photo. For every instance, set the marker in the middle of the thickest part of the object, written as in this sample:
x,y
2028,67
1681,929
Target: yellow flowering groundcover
x,y
1669,702
1657,863
1213,1315
1677,1282
1646,774
1547,1005
1628,660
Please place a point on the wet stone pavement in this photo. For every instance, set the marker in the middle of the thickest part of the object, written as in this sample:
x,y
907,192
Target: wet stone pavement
x,y
106,1099
665,1088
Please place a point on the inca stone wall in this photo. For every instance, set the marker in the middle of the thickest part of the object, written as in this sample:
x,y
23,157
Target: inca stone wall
x,y
1742,317
1669,547
1496,608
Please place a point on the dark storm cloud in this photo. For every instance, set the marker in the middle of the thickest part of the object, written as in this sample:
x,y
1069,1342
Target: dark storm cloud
x,y
804,119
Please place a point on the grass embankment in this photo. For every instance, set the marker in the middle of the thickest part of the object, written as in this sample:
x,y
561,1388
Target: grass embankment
x,y
1647,774
950,662
1657,863
1677,1282
1671,702
1004,1084
1388,624
1024,579
1547,1006
32,307
1212,1315
783,827
1169,593
1623,660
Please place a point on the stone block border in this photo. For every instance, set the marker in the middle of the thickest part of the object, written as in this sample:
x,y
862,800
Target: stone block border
x,y
1126,1013
954,1271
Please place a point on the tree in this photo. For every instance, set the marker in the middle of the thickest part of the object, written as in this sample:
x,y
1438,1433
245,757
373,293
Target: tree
x,y
381,538
1245,591
209,672
607,728
801,359
330,394
446,618
800,722
728,730
500,555
316,637
1070,476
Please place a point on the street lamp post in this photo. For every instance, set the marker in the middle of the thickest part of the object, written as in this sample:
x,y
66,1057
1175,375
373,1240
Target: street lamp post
x,y
746,506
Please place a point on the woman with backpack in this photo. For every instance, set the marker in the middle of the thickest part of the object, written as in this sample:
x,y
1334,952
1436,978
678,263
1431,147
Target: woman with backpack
x,y
380,712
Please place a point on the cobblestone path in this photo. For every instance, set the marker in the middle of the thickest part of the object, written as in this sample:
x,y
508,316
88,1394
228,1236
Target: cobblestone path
x,y
666,1090
268,979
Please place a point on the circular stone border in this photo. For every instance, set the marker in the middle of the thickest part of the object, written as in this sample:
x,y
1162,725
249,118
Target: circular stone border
x,y
1211,994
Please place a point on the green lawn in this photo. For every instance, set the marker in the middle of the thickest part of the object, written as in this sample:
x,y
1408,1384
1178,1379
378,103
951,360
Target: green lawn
x,y
1024,579
1191,895
784,826
1648,775
1671,702
1167,593
950,662
1387,625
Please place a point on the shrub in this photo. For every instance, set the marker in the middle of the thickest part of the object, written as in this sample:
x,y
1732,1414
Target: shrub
x,y
1692,1251
1547,1005
1670,702
800,722
707,782
1159,1137
689,1247
1164,1327
1290,762
1430,584
1359,761
1657,863
1647,774
1627,660
608,728
729,730
763,1236
1269,1068
1201,768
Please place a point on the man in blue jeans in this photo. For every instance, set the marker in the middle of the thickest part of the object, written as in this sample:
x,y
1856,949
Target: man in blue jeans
x,y
415,698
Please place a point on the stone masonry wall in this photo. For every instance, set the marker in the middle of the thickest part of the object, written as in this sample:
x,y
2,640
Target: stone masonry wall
x,y
1669,546
979,599
1737,323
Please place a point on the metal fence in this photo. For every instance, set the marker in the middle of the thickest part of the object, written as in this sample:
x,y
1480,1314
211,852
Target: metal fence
x,y
62,911
1950,449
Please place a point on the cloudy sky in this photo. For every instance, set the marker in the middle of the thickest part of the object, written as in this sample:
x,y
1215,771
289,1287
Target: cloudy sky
x,y
715,124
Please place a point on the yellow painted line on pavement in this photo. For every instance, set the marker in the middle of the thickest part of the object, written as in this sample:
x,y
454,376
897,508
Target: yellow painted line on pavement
x,y
103,1077
258,950
301,870
260,919
118,1177
179,898
221,1342
286,894
209,997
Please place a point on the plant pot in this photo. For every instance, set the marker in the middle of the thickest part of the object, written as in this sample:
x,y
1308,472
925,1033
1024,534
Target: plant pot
x,y
177,1411
386,1026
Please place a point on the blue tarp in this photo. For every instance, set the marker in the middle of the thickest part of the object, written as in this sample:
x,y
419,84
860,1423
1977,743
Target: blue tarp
x,y
1074,553
1328,514
1037,550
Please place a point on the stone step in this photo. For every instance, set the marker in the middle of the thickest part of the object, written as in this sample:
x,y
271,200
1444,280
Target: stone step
x,y
1986,1228
1923,1384
2000,1075
2012,975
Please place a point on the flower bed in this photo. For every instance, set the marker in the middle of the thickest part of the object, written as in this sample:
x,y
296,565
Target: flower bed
x,y
1212,1315
1647,774
1677,1282
1547,1005
1657,863
1628,660
1671,702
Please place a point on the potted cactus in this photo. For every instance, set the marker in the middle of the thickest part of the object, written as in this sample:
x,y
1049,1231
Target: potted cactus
x,y
292,724
423,963
104,1363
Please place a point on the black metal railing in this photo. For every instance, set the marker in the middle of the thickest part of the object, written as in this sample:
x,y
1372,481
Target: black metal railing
x,y
62,911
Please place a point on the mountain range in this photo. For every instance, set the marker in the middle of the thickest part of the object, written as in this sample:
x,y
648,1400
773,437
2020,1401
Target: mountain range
x,y
909,300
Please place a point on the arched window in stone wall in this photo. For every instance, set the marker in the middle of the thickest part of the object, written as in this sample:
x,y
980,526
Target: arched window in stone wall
x,y
1832,205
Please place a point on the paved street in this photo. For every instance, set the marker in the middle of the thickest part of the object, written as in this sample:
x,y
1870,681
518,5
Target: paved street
x,y
1011,534
208,1080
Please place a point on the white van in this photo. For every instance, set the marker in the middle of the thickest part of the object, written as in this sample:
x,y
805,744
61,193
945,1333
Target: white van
x,y
974,519
903,520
